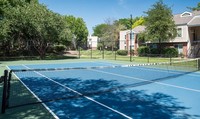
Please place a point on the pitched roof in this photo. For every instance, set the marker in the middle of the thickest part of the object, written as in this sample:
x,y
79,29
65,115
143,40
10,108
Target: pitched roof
x,y
185,18
139,29
195,21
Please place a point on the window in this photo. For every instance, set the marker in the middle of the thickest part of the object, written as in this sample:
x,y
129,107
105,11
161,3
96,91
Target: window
x,y
132,36
186,14
179,47
153,46
179,32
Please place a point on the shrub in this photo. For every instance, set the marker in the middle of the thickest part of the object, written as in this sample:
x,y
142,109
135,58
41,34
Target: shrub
x,y
170,52
154,51
122,52
143,50
59,48
100,46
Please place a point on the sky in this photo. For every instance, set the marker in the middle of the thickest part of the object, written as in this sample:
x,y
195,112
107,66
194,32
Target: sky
x,y
96,12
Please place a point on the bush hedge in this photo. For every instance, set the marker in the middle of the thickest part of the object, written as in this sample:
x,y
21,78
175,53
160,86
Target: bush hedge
x,y
143,50
122,52
166,52
170,52
59,48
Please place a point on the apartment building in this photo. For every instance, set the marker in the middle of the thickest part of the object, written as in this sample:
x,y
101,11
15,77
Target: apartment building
x,y
187,41
92,42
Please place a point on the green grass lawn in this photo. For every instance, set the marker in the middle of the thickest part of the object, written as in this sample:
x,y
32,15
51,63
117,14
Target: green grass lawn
x,y
111,55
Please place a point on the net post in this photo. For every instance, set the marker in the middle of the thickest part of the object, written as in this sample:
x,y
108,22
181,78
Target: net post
x,y
8,88
4,96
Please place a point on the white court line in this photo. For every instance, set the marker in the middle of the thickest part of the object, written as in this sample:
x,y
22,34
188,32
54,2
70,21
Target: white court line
x,y
165,84
153,69
120,113
163,70
50,111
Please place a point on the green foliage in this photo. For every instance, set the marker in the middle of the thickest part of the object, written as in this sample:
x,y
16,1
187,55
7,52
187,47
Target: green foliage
x,y
140,21
159,23
99,46
27,25
154,51
59,48
99,30
127,22
122,52
78,29
170,52
143,50
197,8
109,33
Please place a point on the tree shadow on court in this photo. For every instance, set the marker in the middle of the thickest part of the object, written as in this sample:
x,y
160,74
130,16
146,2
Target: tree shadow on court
x,y
134,103
63,100
20,95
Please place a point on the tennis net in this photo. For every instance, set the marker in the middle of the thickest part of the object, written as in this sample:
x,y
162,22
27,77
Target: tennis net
x,y
37,86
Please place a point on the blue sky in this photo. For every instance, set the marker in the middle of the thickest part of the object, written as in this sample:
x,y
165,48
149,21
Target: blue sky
x,y
95,12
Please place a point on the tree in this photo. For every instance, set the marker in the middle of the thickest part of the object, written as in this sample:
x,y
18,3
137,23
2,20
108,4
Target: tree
x,y
126,22
78,29
26,24
45,27
99,30
139,22
195,8
109,33
159,23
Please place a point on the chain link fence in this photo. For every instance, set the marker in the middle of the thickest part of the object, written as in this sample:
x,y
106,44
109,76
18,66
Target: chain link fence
x,y
109,50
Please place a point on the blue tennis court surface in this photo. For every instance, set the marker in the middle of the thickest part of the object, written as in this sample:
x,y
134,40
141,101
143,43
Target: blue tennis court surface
x,y
117,93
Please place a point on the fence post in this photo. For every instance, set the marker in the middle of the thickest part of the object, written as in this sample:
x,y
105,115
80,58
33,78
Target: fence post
x,y
79,52
130,54
103,51
170,59
198,64
148,56
115,53
4,97
91,51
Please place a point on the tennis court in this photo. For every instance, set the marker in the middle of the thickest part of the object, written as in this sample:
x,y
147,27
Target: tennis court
x,y
109,90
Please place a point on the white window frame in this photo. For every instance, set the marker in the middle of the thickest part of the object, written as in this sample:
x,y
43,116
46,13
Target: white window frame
x,y
181,35
186,14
